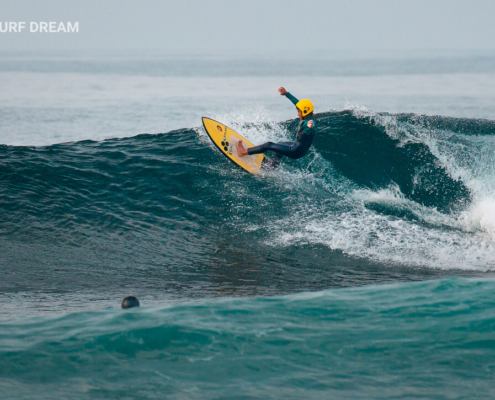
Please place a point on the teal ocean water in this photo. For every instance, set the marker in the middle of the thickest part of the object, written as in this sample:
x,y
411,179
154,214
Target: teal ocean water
x,y
430,340
363,270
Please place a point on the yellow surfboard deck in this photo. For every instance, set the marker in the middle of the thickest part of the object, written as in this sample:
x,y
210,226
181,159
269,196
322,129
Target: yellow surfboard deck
x,y
226,140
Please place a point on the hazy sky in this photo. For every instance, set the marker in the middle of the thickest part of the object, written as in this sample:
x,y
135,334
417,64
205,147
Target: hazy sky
x,y
254,26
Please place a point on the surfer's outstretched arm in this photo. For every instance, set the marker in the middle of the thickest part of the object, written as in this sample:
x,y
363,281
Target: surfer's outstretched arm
x,y
285,93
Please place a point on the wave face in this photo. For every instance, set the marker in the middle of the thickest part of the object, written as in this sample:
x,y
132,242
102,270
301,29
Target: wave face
x,y
380,197
430,339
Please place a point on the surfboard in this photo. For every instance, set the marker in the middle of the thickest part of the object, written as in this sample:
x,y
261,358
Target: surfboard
x,y
225,139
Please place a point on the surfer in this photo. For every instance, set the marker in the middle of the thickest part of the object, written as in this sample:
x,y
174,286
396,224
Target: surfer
x,y
304,137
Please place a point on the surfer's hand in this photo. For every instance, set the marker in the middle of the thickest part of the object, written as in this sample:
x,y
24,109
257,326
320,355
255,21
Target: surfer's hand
x,y
282,91
310,124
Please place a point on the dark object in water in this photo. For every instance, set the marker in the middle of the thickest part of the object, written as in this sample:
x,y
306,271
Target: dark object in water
x,y
129,302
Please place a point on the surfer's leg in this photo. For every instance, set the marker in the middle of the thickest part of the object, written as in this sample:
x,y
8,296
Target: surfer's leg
x,y
284,148
277,157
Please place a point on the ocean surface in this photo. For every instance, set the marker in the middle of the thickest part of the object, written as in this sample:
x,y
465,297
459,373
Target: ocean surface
x,y
363,270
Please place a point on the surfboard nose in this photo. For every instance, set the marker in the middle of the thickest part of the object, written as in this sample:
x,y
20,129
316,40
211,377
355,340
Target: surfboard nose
x,y
225,139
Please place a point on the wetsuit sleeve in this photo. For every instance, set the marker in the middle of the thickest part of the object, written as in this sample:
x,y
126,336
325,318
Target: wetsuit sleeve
x,y
292,98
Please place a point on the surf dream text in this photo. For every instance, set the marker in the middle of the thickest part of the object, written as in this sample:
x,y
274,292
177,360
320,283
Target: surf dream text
x,y
39,27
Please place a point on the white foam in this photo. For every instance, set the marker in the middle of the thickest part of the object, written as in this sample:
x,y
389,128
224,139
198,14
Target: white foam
x,y
396,241
465,158
394,198
459,240
480,216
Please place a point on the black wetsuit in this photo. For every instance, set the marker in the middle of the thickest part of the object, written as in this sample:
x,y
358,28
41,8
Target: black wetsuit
x,y
293,150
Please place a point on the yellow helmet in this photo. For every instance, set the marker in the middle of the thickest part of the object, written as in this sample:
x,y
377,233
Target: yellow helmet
x,y
305,106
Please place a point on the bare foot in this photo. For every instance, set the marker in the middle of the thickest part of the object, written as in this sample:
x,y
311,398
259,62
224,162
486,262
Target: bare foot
x,y
241,151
